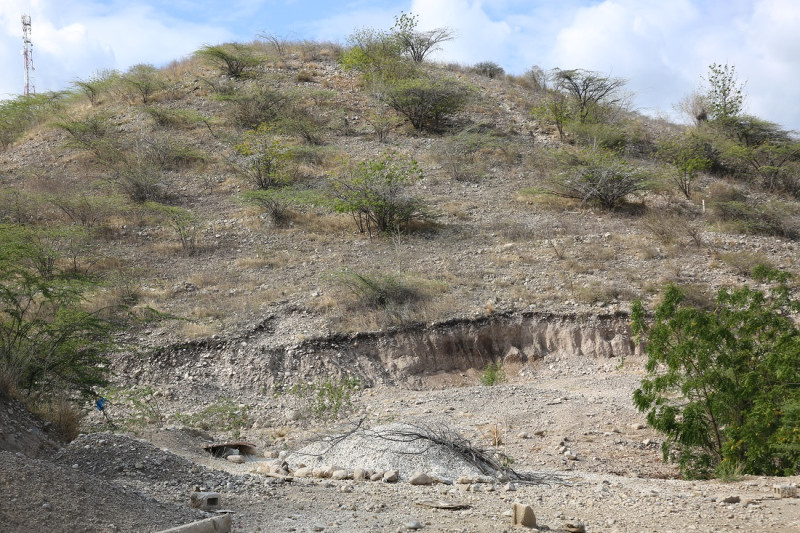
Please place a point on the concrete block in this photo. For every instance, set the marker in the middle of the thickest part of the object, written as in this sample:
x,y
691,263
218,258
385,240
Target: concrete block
x,y
217,524
522,516
785,491
207,501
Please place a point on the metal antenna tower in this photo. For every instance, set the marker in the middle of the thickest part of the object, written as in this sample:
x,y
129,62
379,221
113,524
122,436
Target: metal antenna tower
x,y
27,54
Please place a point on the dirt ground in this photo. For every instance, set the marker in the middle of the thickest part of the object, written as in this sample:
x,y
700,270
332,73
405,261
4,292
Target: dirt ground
x,y
611,479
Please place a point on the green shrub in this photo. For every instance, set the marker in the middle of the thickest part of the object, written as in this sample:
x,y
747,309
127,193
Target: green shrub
x,y
427,101
133,407
145,80
381,291
375,194
232,59
771,218
721,383
277,202
257,105
264,159
458,154
493,375
222,415
182,221
172,118
597,177
18,115
489,69
689,154
97,85
325,400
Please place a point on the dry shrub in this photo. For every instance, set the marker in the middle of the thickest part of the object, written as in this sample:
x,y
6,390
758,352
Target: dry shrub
x,y
64,417
743,263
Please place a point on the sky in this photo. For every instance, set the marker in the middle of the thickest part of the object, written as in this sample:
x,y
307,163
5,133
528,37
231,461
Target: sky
x,y
663,48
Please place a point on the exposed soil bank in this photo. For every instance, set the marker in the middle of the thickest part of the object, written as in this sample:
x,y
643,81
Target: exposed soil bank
x,y
405,356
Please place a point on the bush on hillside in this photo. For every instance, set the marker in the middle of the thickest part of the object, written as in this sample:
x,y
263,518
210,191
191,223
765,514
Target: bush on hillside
x,y
598,177
232,59
375,194
428,101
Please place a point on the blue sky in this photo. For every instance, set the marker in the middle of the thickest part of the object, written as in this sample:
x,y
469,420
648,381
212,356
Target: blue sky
x,y
662,47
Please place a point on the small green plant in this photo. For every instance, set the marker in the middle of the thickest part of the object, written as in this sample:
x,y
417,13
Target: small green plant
x,y
133,407
385,291
493,375
326,400
278,202
182,221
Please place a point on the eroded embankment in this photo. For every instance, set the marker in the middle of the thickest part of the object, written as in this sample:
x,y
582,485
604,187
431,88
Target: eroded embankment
x,y
403,356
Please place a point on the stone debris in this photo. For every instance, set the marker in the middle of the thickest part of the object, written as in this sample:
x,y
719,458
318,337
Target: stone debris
x,y
420,478
575,527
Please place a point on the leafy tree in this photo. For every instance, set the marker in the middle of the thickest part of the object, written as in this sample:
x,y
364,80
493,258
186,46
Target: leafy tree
x,y
589,90
232,59
689,154
48,342
416,44
723,385
725,96
374,193
428,101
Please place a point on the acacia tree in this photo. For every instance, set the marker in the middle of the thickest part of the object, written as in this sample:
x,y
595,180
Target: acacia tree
x,y
49,343
590,90
723,385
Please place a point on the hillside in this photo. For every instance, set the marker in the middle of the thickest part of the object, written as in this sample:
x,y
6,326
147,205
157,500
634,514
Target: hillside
x,y
230,214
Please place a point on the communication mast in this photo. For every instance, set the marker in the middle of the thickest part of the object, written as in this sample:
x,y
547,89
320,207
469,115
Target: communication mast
x,y
27,54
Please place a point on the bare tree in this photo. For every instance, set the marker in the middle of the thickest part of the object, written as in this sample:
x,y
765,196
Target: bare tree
x,y
417,44
590,90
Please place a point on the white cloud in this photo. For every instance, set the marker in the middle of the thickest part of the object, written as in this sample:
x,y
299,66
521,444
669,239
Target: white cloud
x,y
72,39
661,47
